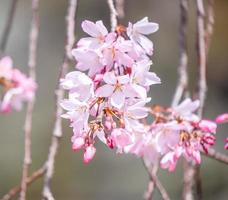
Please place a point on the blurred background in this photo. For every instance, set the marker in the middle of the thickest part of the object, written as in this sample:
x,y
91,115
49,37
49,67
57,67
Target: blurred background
x,y
108,176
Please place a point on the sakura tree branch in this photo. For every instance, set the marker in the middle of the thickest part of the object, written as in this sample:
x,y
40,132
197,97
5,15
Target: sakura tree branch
x,y
182,68
32,73
113,14
14,191
188,183
59,95
210,24
151,186
8,25
120,8
201,54
217,156
202,81
154,182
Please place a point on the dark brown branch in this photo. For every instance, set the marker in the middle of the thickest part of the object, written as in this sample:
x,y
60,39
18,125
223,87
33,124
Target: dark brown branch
x,y
59,95
182,68
8,25
113,14
14,191
28,120
154,182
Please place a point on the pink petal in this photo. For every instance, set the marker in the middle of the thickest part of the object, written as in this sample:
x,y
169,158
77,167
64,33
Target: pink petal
x,y
123,79
118,99
207,126
152,78
145,44
110,78
102,29
89,153
6,62
121,138
223,118
104,91
145,27
78,143
90,28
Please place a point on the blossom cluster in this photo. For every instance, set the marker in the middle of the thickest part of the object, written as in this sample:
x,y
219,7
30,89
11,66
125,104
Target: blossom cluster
x,y
16,87
179,132
107,98
110,101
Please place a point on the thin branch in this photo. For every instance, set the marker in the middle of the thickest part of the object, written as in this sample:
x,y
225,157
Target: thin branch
x,y
202,81
182,68
210,24
120,8
59,95
113,14
32,72
8,25
14,191
187,193
151,186
154,180
201,53
217,156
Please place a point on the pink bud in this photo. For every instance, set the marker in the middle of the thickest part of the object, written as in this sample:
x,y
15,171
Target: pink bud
x,y
223,118
108,125
89,154
226,146
207,126
78,143
110,142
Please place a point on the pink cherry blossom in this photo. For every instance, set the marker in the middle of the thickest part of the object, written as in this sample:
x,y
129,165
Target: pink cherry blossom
x,y
109,103
115,88
17,87
137,31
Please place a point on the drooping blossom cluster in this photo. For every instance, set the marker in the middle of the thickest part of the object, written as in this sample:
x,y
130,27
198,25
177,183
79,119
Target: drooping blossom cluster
x,y
108,96
110,101
16,87
179,132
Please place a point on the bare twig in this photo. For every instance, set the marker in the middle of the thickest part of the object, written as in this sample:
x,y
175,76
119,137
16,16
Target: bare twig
x,y
217,156
202,82
201,49
59,94
151,186
210,24
8,25
120,8
187,193
28,120
182,68
14,191
113,14
155,182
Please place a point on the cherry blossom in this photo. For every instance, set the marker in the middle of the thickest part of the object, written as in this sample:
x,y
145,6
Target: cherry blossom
x,y
17,88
